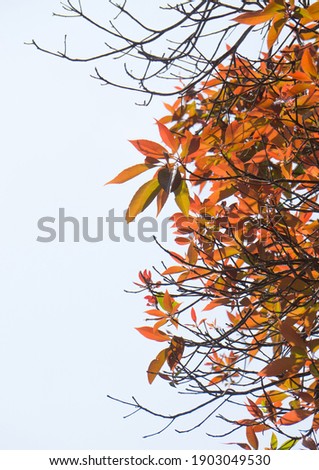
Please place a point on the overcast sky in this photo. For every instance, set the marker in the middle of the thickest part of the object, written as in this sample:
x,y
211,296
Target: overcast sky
x,y
67,335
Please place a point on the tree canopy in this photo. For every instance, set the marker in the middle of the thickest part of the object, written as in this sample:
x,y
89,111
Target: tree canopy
x,y
238,150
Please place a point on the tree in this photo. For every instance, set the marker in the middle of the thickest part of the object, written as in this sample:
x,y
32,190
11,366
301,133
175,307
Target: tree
x,y
240,155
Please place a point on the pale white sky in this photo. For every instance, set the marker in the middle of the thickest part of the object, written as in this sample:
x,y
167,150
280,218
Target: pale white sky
x,y
67,335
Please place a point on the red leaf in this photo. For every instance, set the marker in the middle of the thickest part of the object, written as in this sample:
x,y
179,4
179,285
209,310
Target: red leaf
x,y
193,315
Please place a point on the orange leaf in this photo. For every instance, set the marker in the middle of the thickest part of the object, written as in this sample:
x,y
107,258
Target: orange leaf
x,y
237,132
313,10
253,409
129,173
160,323
294,416
307,64
251,437
257,17
174,269
217,379
161,200
290,334
216,302
192,254
142,198
315,422
277,367
168,137
278,23
156,365
156,313
149,333
168,302
149,148
226,252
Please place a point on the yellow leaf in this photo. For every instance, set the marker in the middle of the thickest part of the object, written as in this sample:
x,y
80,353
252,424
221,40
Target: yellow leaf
x,y
313,11
182,198
156,365
142,198
226,252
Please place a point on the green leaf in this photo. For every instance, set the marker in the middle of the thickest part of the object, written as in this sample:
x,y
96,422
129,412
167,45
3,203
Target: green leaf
x,y
274,441
287,445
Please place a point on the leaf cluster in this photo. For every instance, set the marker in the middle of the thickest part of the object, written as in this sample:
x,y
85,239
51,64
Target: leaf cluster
x,y
238,306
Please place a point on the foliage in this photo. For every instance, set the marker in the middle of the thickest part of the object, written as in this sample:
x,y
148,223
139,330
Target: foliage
x,y
238,306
